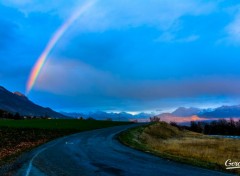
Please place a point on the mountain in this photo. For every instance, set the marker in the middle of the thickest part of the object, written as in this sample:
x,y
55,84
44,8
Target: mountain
x,y
101,115
180,113
185,112
223,112
17,102
166,116
184,115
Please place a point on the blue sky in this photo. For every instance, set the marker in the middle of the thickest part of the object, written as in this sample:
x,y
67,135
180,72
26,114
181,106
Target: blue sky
x,y
124,55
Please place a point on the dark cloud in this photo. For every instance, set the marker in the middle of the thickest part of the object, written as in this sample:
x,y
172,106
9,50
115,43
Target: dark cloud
x,y
97,49
195,87
7,34
9,26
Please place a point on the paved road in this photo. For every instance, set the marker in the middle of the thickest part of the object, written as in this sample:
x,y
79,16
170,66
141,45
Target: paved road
x,y
99,153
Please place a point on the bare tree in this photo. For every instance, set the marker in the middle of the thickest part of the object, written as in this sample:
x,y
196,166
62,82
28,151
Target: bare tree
x,y
155,119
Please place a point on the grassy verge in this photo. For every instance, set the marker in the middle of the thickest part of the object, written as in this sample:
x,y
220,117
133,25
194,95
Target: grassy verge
x,y
183,146
18,136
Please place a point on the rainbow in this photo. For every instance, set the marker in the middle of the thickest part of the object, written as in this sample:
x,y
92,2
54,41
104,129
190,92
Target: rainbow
x,y
52,42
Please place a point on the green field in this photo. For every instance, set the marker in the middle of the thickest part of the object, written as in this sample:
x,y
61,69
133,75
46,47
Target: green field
x,y
64,124
18,136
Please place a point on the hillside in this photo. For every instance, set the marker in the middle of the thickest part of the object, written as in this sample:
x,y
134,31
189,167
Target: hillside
x,y
17,102
181,145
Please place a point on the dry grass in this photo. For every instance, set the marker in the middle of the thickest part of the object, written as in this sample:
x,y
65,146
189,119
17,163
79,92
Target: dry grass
x,y
18,148
14,141
168,141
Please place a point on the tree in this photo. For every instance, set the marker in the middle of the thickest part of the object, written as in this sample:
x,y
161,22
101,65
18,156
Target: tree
x,y
90,118
196,126
155,119
81,118
17,116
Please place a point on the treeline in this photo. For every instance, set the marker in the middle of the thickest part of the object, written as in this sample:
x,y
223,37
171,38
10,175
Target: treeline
x,y
8,115
216,127
17,116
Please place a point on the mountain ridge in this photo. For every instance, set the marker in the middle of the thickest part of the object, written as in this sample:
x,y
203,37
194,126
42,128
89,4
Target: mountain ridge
x,y
18,103
224,111
101,115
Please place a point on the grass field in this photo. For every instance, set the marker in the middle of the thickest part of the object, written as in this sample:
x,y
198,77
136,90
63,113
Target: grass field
x,y
184,146
64,124
18,136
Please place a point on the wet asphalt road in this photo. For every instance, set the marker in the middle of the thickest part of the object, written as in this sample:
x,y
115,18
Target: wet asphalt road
x,y
98,152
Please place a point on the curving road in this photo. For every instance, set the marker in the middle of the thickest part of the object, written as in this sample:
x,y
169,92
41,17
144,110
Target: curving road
x,y
99,153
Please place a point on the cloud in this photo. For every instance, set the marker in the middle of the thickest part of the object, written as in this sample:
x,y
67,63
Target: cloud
x,y
8,27
117,14
171,38
7,33
233,30
109,58
190,38
62,8
188,87
71,77
106,15
83,86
